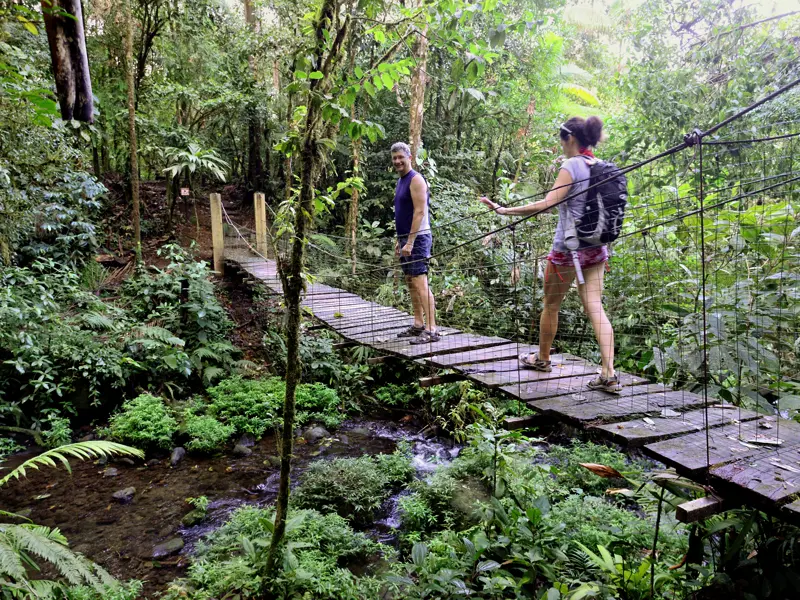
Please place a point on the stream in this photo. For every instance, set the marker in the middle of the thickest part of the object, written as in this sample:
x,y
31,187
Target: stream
x,y
122,537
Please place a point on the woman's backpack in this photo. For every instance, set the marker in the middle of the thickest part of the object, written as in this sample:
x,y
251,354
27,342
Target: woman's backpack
x,y
601,220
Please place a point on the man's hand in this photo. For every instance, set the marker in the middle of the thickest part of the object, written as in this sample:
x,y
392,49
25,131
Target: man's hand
x,y
406,250
493,205
397,248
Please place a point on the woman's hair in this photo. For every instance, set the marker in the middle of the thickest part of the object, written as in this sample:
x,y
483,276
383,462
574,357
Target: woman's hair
x,y
588,132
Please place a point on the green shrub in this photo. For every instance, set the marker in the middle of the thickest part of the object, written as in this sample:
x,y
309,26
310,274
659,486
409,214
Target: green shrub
x,y
594,521
144,422
401,396
58,432
249,405
129,591
571,476
207,434
352,487
320,546
8,446
255,405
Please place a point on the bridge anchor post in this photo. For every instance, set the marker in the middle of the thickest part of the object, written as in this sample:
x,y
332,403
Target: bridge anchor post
x,y
260,211
217,235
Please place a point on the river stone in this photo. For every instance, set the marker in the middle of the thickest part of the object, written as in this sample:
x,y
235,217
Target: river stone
x,y
239,450
465,498
153,462
124,496
274,461
125,461
361,431
344,440
87,438
314,434
246,441
168,548
177,456
110,472
193,518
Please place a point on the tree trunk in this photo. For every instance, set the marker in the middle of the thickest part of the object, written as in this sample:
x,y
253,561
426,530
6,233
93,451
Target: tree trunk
x,y
137,232
310,159
67,42
255,164
418,77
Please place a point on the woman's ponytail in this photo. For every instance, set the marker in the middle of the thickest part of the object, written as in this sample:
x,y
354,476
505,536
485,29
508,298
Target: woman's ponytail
x,y
588,132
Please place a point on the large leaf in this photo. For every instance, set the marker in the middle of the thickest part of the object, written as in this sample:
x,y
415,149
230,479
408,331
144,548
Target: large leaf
x,y
580,93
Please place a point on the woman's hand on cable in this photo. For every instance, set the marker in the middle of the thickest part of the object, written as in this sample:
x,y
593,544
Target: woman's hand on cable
x,y
493,205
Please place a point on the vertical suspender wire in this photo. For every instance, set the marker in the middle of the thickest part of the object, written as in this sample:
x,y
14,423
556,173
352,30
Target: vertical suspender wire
x,y
703,293
515,275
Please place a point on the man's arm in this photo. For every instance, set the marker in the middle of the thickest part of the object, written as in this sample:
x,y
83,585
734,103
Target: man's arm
x,y
419,197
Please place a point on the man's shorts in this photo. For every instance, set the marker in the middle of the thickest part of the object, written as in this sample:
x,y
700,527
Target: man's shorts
x,y
417,263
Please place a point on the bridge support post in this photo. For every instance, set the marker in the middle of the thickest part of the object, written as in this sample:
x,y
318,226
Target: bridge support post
x,y
217,237
260,212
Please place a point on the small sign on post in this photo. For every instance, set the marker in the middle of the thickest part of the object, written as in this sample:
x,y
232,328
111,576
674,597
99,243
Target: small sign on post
x,y
184,191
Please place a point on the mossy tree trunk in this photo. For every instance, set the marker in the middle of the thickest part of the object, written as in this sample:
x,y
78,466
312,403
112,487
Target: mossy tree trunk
x,y
134,159
310,160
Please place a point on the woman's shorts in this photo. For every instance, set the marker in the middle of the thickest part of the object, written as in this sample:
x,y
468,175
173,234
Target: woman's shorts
x,y
417,263
588,257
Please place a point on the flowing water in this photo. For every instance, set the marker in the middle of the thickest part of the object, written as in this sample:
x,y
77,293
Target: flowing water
x,y
122,537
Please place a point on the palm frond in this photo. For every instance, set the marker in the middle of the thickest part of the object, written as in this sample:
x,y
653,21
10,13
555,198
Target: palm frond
x,y
82,450
580,93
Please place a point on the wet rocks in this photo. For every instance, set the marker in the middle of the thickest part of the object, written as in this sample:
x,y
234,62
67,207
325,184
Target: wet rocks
x,y
110,472
344,440
168,548
125,461
177,456
240,450
124,496
361,431
314,434
193,518
153,462
246,440
273,461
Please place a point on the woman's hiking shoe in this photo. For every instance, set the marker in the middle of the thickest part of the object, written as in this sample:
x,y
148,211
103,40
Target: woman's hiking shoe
x,y
412,331
606,384
537,364
426,337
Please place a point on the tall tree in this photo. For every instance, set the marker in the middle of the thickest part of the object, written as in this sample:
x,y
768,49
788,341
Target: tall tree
x,y
63,21
255,162
418,78
134,159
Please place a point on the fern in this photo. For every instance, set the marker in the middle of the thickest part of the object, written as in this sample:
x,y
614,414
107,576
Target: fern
x,y
82,450
160,334
98,321
212,373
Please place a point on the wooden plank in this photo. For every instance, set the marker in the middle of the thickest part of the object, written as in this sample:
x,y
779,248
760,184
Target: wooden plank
x,y
452,343
361,308
398,324
363,313
501,378
702,508
365,318
514,423
688,453
639,432
440,379
559,362
390,336
504,351
612,409
564,386
767,479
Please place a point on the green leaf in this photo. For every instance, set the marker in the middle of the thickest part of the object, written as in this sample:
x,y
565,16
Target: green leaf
x,y
359,72
379,35
477,94
487,565
301,75
370,88
387,80
580,93
418,554
315,75
30,27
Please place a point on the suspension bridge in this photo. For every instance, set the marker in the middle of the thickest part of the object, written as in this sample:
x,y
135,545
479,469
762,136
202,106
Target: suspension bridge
x,y
712,248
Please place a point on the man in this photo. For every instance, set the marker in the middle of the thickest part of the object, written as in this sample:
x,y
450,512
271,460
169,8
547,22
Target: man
x,y
414,241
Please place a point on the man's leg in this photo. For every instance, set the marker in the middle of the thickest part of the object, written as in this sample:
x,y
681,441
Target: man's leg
x,y
425,297
416,302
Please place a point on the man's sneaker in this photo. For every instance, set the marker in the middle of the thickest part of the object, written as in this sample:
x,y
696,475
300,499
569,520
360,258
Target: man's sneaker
x,y
606,384
412,331
427,337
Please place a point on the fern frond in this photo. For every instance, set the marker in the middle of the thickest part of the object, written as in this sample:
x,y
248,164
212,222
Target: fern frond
x,y
10,560
45,589
46,544
212,373
205,353
82,450
98,321
243,365
160,334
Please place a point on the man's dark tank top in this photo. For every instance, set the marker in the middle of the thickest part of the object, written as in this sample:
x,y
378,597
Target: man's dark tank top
x,y
404,207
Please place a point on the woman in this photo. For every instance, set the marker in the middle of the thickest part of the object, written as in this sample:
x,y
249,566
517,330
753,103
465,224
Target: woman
x,y
578,136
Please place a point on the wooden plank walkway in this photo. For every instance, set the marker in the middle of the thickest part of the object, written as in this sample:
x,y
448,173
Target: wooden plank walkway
x,y
748,457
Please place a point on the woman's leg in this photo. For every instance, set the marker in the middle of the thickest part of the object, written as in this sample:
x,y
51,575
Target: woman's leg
x,y
557,281
591,294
